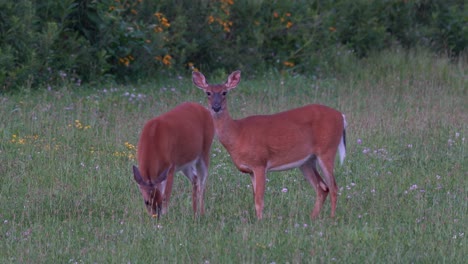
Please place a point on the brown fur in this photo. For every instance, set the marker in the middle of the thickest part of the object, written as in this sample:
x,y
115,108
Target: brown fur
x,y
300,137
179,140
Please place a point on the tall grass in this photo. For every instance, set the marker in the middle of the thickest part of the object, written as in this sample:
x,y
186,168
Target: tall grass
x,y
67,193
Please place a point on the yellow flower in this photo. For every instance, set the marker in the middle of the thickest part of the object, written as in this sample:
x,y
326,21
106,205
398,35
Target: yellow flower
x,y
289,24
78,124
129,146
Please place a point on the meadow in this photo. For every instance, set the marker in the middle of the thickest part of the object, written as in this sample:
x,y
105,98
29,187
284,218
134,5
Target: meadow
x,y
67,193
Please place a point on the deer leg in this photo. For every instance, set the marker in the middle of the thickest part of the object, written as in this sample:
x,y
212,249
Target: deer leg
x,y
258,182
195,191
309,170
190,174
202,169
326,164
166,186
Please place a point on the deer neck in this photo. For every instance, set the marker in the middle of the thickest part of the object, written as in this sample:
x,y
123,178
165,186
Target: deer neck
x,y
226,128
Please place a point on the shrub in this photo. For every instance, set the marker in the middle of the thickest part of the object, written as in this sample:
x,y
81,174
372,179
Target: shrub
x,y
74,41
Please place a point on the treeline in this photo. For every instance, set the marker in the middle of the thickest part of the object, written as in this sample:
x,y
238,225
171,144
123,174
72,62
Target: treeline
x,y
44,43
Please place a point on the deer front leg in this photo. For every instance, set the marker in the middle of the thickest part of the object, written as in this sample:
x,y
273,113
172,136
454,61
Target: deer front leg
x,y
258,182
167,190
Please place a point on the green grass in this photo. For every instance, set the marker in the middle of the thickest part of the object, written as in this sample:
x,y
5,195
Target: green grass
x,y
68,196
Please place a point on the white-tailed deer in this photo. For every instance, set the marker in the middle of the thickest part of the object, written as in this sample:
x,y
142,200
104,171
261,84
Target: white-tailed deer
x,y
179,140
301,137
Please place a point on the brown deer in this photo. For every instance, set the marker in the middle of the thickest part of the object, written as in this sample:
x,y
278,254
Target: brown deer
x,y
301,137
179,140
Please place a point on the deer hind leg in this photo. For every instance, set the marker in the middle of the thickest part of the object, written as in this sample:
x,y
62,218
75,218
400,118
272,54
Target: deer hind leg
x,y
309,170
202,170
258,181
191,173
326,163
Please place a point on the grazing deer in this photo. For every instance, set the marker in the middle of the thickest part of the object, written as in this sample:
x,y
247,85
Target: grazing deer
x,y
179,140
300,137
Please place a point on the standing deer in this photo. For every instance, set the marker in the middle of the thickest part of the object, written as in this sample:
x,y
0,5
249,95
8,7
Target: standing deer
x,y
300,137
179,140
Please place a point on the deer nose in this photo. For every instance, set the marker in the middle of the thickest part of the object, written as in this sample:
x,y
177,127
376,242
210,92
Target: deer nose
x,y
216,108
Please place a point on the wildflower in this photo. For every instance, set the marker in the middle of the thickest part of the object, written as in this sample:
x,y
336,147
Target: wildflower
x,y
450,142
129,146
284,190
192,66
162,19
413,187
165,22
78,124
166,60
332,29
158,29
211,19
288,64
359,141
158,15
289,24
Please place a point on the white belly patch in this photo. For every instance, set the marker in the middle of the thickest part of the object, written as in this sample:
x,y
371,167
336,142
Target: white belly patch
x,y
287,166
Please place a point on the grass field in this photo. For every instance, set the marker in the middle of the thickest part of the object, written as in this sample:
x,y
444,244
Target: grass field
x,y
68,196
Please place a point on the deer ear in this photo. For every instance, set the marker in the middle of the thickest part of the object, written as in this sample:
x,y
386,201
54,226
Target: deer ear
x,y
137,176
233,80
199,80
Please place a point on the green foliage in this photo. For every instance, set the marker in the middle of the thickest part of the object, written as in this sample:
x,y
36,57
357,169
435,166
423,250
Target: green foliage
x,y
68,196
51,43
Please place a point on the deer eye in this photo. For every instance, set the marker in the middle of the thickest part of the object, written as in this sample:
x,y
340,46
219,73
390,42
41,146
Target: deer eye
x,y
224,93
147,203
208,93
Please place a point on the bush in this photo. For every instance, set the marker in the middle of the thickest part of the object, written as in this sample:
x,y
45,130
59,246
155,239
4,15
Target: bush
x,y
75,41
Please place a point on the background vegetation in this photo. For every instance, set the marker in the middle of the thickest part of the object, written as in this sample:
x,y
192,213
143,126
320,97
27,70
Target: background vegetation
x,y
86,41
67,193
80,78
